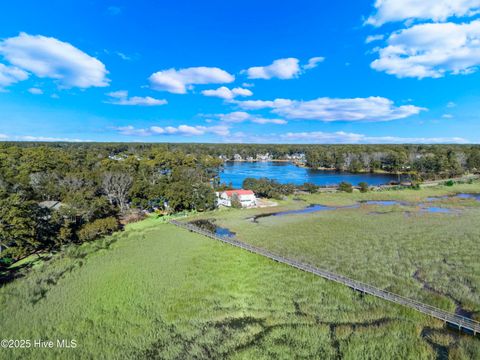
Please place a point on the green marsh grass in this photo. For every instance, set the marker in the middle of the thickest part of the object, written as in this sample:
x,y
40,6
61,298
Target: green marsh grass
x,y
159,292
431,257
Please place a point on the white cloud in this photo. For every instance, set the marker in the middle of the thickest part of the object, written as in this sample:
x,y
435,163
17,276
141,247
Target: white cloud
x,y
436,10
263,121
451,104
121,98
182,130
123,56
241,116
431,50
263,104
234,117
248,85
284,69
225,93
132,131
35,91
179,81
48,139
313,62
447,116
372,38
288,68
48,57
10,75
340,137
352,138
39,138
329,109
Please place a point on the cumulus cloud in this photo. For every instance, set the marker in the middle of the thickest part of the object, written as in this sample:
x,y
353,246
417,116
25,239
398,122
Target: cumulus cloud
x,y
313,62
436,10
47,57
10,75
330,109
241,116
431,50
372,38
39,138
288,68
353,138
284,69
225,93
182,130
121,98
35,91
263,104
339,137
179,81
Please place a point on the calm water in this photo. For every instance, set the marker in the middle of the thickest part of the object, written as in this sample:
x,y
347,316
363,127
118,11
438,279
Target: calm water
x,y
283,172
317,208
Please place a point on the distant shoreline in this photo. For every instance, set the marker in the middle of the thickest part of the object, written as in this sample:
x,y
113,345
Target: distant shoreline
x,y
320,168
252,161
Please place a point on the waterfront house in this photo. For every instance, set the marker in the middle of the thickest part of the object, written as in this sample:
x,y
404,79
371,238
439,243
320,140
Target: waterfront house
x,y
246,197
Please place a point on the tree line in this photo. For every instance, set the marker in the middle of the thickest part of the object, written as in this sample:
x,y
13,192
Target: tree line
x,y
55,194
59,193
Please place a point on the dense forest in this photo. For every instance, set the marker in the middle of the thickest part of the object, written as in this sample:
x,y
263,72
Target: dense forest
x,y
60,193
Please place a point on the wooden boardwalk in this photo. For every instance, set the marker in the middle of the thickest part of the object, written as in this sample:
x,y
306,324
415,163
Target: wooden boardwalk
x,y
461,322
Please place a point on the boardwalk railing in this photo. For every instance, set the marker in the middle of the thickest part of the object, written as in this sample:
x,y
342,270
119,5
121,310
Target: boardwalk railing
x,y
457,320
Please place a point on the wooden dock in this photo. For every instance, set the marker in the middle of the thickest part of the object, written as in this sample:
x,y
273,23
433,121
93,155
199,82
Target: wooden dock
x,y
461,322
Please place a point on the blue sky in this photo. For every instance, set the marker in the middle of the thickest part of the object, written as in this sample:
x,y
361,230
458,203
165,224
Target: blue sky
x,y
308,71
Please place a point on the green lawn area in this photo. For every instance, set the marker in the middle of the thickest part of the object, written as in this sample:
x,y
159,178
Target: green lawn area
x,y
156,291
432,257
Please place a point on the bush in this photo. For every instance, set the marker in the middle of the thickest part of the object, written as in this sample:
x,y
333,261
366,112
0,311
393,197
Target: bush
x,y
363,187
449,183
415,186
310,187
345,187
235,202
268,188
132,216
98,228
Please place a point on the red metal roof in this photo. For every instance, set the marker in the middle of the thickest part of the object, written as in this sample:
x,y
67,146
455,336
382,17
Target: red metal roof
x,y
239,192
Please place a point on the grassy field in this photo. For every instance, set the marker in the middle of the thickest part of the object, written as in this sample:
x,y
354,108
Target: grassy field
x,y
156,291
432,257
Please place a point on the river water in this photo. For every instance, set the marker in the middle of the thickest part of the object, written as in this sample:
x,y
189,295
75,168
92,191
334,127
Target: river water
x,y
285,172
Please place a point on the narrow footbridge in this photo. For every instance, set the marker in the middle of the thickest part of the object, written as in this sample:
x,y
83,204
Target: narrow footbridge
x,y
461,322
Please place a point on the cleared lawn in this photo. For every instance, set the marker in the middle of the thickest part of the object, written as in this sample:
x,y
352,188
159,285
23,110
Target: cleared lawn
x,y
156,291
432,257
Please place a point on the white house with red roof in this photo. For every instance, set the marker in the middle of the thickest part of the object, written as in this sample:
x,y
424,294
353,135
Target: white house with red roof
x,y
246,197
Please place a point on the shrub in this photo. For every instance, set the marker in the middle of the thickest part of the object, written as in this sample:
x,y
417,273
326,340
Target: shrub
x,y
363,187
268,188
449,183
415,186
310,187
98,228
345,187
132,216
235,202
